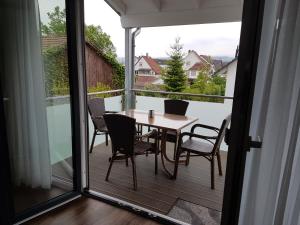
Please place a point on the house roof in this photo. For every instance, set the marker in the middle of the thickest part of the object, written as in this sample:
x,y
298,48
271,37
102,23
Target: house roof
x,y
152,63
226,65
203,58
198,66
218,63
154,13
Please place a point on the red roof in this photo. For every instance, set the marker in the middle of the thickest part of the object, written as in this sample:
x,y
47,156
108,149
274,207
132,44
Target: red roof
x,y
198,66
153,64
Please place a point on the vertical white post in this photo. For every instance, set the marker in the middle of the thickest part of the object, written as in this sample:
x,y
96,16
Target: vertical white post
x,y
129,70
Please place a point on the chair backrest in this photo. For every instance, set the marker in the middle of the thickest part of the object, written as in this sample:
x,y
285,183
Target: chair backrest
x,y
221,134
96,108
122,132
178,107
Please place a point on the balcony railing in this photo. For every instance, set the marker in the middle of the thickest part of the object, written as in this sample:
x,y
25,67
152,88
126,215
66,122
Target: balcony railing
x,y
59,122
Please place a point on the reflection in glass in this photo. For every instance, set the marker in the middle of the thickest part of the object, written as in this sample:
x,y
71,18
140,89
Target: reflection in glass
x,y
35,85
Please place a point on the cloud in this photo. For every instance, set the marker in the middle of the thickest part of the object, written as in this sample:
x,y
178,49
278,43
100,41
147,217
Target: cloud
x,y
210,39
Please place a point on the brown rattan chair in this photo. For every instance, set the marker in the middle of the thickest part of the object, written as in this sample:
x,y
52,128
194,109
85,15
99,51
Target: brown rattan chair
x,y
96,108
126,143
201,145
177,107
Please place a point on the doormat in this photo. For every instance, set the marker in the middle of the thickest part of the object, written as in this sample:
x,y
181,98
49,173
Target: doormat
x,y
194,214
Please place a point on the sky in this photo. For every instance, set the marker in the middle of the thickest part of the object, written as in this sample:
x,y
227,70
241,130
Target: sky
x,y
209,39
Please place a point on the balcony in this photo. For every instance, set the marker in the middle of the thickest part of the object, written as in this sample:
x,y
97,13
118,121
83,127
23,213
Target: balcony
x,y
158,193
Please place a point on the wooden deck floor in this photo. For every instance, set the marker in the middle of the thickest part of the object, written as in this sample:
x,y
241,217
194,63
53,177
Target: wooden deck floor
x,y
156,192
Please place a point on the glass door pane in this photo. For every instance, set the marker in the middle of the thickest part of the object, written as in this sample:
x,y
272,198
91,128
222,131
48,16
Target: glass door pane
x,y
35,85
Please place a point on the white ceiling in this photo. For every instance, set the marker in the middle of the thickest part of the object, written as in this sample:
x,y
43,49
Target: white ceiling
x,y
153,13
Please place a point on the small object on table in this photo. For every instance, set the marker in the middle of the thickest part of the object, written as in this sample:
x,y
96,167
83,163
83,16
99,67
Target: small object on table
x,y
151,113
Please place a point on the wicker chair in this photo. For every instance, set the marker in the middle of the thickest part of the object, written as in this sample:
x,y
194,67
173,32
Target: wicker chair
x,y
126,144
208,146
96,108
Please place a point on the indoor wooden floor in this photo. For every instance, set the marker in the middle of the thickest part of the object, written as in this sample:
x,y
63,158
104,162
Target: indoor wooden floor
x,y
156,192
87,211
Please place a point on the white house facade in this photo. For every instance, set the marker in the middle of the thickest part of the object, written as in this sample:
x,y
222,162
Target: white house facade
x,y
147,66
192,62
229,71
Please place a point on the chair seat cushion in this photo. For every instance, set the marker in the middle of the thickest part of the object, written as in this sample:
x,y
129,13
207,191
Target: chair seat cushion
x,y
103,129
140,147
197,147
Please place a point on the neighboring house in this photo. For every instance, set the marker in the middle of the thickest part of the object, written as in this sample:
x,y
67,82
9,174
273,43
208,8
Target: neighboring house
x,y
229,71
194,70
218,64
193,61
147,66
98,69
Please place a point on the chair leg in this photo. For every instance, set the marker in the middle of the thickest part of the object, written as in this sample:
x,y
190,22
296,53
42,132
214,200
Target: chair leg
x,y
93,140
187,160
134,173
106,139
126,162
212,172
109,168
156,153
219,164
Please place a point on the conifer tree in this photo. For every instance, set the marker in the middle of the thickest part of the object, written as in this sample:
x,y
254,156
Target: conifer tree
x,y
174,76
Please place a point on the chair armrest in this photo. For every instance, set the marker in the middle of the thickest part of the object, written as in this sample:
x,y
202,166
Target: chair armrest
x,y
197,136
149,134
97,117
204,126
110,112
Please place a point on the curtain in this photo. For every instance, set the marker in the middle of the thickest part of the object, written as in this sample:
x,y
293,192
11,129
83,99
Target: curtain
x,y
24,94
271,191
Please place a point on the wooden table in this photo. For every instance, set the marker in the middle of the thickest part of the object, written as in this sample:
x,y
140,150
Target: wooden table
x,y
163,122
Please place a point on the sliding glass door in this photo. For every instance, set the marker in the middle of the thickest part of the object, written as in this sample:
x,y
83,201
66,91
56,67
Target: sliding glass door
x,y
38,107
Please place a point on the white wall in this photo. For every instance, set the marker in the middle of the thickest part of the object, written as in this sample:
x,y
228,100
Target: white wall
x,y
209,113
192,59
230,79
142,65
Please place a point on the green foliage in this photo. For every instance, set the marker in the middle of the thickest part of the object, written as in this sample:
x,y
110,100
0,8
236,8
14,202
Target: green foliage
x,y
99,88
152,87
94,35
208,85
100,40
57,23
56,71
174,77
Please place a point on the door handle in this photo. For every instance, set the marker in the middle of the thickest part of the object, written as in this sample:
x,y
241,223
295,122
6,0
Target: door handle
x,y
250,143
254,144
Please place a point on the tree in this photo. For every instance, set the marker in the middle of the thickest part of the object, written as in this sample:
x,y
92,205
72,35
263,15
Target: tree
x,y
174,76
57,23
100,40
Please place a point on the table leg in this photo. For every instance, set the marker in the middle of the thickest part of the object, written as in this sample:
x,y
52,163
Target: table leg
x,y
164,139
163,151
